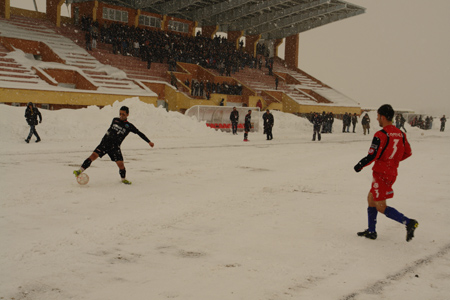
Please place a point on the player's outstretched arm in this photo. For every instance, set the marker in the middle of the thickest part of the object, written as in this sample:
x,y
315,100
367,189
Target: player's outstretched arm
x,y
151,144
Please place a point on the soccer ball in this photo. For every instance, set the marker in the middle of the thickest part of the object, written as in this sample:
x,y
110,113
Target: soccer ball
x,y
83,179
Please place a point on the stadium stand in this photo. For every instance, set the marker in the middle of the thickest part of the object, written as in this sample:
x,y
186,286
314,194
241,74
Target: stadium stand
x,y
101,71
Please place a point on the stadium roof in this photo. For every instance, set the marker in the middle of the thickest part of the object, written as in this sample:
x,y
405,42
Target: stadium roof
x,y
273,19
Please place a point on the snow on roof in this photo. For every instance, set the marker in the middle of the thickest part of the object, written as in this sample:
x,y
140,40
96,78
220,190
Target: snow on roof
x,y
332,95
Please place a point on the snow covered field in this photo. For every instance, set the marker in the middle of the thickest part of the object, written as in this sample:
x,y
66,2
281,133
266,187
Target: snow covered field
x,y
209,217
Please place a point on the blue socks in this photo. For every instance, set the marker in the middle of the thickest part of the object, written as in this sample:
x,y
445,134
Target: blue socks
x,y
395,215
372,217
390,212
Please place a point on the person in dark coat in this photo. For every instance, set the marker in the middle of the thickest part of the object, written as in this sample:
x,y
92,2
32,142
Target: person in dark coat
x,y
31,115
234,118
317,121
247,125
268,124
354,121
366,124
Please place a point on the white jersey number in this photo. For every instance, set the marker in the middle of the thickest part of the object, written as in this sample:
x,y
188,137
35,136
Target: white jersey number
x,y
395,148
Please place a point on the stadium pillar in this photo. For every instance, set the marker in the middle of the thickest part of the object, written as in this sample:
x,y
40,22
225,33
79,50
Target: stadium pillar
x,y
209,31
250,43
291,51
234,36
5,9
53,11
136,19
277,43
193,28
94,11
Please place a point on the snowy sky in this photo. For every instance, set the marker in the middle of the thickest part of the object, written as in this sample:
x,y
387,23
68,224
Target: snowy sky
x,y
394,53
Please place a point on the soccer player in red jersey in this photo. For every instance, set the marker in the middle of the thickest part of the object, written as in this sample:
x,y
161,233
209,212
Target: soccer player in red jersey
x,y
389,147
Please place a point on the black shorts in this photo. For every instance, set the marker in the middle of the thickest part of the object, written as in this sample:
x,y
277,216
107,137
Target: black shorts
x,y
112,150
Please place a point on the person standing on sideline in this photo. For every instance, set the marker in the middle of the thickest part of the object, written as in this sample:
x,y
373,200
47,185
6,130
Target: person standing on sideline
x,y
402,123
443,120
268,124
234,118
247,124
31,115
389,147
111,141
366,124
317,121
354,121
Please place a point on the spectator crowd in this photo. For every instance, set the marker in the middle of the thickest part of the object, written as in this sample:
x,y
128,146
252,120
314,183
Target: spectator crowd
x,y
168,47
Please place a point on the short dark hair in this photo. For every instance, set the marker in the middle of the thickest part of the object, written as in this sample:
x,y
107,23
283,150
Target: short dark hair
x,y
387,111
125,109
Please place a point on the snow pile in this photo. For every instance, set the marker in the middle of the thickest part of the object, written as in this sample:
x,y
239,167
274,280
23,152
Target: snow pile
x,y
209,216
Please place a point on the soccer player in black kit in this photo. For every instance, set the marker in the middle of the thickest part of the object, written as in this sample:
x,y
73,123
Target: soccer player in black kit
x,y
110,144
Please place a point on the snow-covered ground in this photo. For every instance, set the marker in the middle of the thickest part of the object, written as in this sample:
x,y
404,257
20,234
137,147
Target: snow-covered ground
x,y
211,217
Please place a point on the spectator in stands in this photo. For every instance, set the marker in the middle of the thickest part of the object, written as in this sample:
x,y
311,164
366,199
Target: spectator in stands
x,y
276,82
234,118
268,124
149,59
136,48
366,123
247,125
443,120
94,36
173,80
31,115
354,121
270,66
87,38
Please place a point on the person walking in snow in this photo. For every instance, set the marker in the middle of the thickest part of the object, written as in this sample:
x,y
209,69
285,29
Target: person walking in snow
x,y
389,147
31,115
111,141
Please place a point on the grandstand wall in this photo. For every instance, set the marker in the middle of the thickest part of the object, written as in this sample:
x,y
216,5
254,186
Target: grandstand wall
x,y
58,99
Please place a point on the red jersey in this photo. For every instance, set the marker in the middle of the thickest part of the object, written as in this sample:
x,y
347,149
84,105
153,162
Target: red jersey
x,y
389,147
